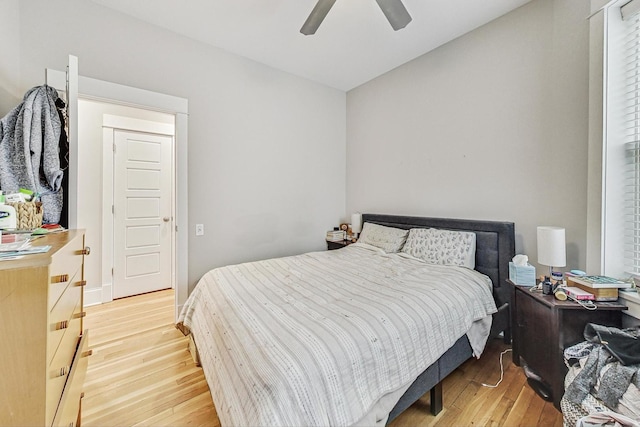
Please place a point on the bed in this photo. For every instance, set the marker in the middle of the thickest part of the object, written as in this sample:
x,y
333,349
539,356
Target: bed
x,y
347,337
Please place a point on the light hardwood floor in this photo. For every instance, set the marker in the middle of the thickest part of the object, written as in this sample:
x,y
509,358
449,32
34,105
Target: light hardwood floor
x,y
141,373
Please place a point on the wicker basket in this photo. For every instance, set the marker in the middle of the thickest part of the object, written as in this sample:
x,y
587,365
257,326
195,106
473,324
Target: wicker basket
x,y
28,215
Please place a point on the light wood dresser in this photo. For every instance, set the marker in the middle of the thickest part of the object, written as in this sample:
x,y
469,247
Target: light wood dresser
x,y
43,348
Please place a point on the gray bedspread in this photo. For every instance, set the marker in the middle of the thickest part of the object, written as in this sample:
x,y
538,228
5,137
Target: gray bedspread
x,y
320,338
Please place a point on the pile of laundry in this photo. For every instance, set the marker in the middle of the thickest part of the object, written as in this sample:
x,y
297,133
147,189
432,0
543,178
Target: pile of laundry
x,y
604,376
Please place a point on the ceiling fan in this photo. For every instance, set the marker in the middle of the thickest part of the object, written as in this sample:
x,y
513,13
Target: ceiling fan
x,y
394,10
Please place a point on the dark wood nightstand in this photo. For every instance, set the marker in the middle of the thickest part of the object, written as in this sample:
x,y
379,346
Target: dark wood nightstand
x,y
543,327
337,245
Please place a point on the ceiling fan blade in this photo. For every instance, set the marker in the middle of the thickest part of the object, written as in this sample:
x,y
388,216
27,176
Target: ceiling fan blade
x,y
395,12
316,17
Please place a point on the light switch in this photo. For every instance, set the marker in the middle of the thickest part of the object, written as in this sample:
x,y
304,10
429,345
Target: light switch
x,y
199,229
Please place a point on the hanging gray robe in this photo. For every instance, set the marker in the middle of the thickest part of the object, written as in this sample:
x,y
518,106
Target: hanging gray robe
x,y
29,150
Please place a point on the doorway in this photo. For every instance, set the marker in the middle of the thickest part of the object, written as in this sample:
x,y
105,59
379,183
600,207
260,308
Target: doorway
x,y
98,90
140,166
128,209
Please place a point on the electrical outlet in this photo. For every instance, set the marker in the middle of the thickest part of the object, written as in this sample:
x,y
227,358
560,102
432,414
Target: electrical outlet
x,y
199,229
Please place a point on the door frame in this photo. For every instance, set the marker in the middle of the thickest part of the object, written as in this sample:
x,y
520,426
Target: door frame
x,y
99,90
111,123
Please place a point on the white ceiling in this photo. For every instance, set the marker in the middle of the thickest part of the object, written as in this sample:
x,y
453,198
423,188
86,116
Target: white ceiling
x,y
354,44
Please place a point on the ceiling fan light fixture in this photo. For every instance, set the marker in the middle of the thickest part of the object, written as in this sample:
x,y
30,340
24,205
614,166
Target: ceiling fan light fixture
x,y
396,13
316,17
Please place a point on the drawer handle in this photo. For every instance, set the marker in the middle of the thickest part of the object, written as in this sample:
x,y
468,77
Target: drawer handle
x,y
81,283
80,315
59,279
64,371
86,250
87,353
63,325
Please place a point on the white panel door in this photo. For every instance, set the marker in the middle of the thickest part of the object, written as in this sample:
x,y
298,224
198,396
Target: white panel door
x,y
142,213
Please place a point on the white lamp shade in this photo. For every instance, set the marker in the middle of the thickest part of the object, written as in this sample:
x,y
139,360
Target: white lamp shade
x,y
552,250
356,223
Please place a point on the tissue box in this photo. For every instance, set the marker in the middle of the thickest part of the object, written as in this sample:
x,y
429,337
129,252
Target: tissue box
x,y
524,275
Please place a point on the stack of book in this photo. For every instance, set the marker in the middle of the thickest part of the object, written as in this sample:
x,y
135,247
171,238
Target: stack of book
x,y
335,236
602,287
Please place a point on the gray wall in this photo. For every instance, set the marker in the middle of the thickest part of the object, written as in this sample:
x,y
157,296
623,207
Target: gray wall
x,y
266,149
10,59
492,125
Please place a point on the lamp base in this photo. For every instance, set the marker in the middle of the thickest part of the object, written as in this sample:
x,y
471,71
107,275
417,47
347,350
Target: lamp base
x,y
555,276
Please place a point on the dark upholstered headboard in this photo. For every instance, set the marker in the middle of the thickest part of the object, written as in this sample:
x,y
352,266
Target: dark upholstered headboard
x,y
495,244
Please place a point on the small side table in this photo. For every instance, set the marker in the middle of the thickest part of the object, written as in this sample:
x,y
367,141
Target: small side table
x,y
544,326
337,245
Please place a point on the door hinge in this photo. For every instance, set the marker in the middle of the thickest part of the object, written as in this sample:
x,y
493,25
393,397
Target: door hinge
x,y
112,271
113,209
114,147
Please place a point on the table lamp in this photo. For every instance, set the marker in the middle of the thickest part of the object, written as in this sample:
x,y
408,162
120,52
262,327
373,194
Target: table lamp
x,y
551,247
356,224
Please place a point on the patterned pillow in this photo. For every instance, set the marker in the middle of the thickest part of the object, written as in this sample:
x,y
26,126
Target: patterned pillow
x,y
388,239
443,247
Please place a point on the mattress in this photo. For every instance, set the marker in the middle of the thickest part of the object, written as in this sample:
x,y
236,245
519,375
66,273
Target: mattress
x,y
322,338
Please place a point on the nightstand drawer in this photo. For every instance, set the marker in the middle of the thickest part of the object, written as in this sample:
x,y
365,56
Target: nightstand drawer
x,y
534,320
543,327
337,245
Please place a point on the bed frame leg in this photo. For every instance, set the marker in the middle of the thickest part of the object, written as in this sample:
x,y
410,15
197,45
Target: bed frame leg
x,y
507,336
436,399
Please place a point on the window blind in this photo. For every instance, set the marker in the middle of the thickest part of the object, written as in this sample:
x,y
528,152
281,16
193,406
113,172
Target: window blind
x,y
631,118
630,9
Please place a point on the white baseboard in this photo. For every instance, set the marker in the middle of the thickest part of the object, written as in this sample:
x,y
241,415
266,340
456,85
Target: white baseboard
x,y
97,296
178,310
107,292
92,297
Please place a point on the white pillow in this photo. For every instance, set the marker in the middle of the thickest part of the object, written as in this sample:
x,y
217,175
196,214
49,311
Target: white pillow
x,y
444,247
388,239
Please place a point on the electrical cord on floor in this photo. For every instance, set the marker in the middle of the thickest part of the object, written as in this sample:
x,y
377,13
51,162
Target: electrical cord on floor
x,y
501,371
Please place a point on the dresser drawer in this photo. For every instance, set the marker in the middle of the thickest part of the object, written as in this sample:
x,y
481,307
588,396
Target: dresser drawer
x,y
68,411
60,367
63,313
64,265
40,312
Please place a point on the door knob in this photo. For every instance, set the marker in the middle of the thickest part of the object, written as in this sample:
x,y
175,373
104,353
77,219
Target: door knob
x,y
166,219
